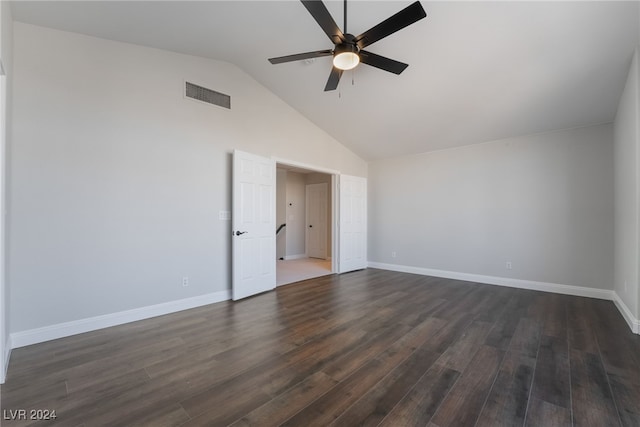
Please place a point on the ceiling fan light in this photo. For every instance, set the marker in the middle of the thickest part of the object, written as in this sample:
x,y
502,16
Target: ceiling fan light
x,y
346,60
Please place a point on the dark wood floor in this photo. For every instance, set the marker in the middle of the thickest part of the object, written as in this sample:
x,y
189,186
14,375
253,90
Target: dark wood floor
x,y
366,348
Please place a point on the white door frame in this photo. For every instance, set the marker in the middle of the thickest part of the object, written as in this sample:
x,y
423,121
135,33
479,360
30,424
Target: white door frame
x,y
335,200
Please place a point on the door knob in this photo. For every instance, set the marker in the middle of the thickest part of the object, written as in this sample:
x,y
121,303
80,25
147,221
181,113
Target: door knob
x,y
238,233
310,226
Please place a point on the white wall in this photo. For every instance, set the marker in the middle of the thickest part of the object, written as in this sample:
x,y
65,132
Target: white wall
x,y
295,215
6,55
542,202
627,187
116,180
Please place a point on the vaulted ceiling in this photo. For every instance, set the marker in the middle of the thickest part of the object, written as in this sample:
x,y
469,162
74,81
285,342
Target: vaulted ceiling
x,y
478,71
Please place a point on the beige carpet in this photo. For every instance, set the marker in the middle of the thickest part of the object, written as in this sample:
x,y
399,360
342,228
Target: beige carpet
x,y
296,270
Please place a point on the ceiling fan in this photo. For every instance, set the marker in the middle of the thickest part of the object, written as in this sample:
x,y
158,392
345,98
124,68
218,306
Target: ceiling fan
x,y
348,50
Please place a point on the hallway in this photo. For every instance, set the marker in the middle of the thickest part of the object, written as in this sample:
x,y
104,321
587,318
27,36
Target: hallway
x,y
301,269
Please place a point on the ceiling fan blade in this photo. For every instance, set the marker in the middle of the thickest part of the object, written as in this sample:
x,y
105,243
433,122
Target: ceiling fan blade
x,y
382,62
301,56
319,11
334,79
407,16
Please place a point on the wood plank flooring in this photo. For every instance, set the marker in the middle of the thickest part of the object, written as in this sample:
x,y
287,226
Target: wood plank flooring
x,y
373,347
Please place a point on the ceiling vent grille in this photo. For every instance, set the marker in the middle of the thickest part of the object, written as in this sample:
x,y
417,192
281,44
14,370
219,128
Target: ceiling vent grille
x,y
209,96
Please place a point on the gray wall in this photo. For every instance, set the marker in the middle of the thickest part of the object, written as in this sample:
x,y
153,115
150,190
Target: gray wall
x,y
542,202
626,191
117,180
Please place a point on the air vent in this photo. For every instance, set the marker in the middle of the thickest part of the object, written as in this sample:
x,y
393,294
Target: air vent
x,y
209,96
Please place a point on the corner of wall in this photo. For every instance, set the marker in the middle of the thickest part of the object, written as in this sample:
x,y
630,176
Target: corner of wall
x,y
632,321
7,357
6,57
636,59
627,196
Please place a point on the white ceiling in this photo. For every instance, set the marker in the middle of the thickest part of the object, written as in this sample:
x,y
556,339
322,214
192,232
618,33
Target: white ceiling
x,y
478,71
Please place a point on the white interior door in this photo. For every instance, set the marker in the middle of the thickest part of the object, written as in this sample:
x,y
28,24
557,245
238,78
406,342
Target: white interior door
x,y
316,221
353,223
253,225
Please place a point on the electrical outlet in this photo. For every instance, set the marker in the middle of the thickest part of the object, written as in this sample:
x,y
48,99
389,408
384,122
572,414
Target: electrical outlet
x,y
508,265
185,281
393,254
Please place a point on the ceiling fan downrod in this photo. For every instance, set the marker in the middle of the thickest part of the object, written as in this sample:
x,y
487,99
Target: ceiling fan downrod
x,y
345,16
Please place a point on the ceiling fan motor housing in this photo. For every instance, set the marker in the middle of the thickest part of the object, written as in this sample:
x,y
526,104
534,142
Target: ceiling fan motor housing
x,y
347,46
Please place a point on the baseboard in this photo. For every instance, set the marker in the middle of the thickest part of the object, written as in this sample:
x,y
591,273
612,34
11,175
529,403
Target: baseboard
x,y
290,257
7,357
61,330
557,288
631,320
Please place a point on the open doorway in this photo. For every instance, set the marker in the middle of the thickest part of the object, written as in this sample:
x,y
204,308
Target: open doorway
x,y
304,219
254,228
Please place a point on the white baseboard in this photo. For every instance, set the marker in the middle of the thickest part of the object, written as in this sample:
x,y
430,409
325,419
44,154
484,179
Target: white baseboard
x,y
7,357
299,256
557,288
61,330
631,320
581,291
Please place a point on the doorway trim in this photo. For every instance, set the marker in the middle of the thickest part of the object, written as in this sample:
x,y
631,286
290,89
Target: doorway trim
x,y
335,200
